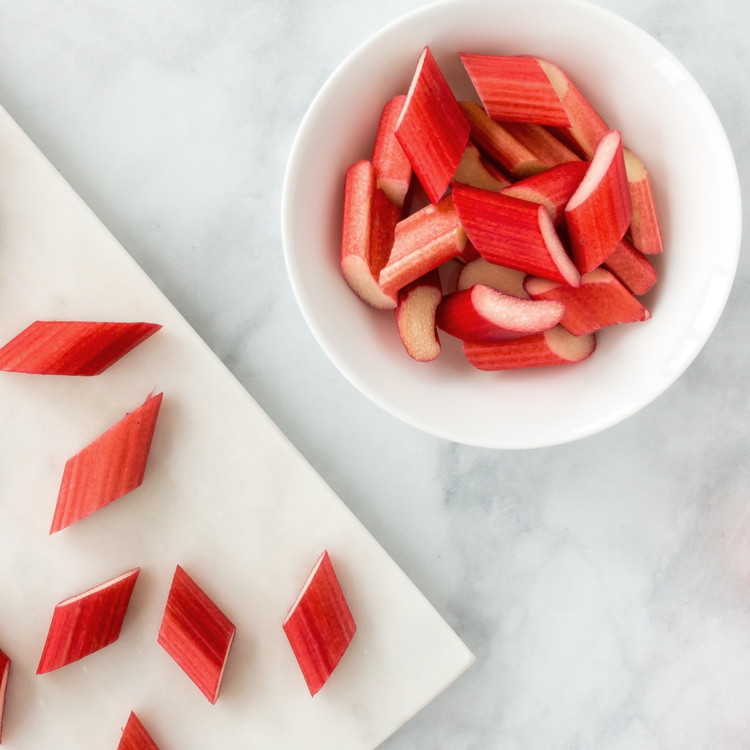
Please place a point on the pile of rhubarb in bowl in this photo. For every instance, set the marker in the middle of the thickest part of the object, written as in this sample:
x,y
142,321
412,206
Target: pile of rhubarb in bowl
x,y
521,223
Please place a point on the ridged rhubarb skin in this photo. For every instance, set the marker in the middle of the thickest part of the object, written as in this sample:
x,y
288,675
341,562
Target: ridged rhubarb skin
x,y
514,88
549,349
87,622
415,317
513,232
645,228
135,736
72,347
4,674
481,313
632,268
495,142
107,468
542,142
319,625
599,302
432,129
196,634
599,212
422,241
392,167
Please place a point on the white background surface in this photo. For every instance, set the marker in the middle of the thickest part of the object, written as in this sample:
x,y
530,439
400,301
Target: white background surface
x,y
603,585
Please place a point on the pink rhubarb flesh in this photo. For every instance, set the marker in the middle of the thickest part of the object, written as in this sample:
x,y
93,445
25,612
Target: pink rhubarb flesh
x,y
135,736
87,622
502,278
72,347
319,625
107,468
645,229
415,317
196,634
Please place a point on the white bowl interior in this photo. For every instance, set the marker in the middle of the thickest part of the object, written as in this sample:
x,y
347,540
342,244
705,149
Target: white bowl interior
x,y
640,89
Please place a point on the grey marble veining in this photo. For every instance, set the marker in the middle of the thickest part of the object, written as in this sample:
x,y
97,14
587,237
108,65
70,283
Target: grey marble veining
x,y
604,585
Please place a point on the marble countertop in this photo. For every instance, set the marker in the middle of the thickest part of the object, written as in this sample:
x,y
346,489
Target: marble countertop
x,y
604,585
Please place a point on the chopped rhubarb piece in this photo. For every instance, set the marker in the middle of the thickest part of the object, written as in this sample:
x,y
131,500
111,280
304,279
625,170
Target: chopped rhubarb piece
x,y
502,278
631,267
432,129
415,317
600,301
515,89
135,736
72,347
553,347
473,171
599,212
481,313
587,127
319,625
544,144
196,634
87,622
551,188
392,166
645,230
423,241
513,232
495,142
108,468
369,221
4,672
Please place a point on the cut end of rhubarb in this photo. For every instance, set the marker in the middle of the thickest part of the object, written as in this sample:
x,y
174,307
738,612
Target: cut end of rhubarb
x,y
415,318
359,277
481,271
319,625
568,347
557,250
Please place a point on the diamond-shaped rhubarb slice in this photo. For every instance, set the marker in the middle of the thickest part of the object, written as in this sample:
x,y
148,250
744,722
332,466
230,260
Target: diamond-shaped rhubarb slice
x,y
72,347
108,468
87,622
319,625
196,634
135,736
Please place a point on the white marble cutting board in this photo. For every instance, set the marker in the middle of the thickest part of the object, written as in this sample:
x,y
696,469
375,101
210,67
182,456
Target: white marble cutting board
x,y
225,495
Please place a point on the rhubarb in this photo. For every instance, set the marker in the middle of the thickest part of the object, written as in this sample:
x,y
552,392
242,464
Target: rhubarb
x,y
135,736
107,468
415,317
481,313
319,625
515,88
473,171
544,144
513,232
87,622
631,267
72,347
391,165
599,212
4,673
502,278
645,230
432,129
548,349
196,634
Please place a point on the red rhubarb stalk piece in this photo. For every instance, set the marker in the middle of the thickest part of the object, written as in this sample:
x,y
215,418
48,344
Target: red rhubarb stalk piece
x,y
196,634
645,230
135,736
473,171
432,129
415,317
552,188
4,673
87,622
631,267
72,347
586,127
551,348
599,212
513,232
422,241
481,313
369,221
392,166
600,301
319,625
544,144
495,142
107,468
515,88
502,278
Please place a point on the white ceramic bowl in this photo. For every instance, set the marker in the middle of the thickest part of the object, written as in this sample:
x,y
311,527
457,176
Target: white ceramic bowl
x,y
639,88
